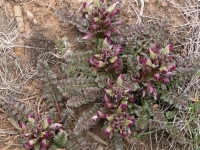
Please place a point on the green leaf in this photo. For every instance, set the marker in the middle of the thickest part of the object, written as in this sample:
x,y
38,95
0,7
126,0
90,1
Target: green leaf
x,y
112,7
37,147
142,135
96,3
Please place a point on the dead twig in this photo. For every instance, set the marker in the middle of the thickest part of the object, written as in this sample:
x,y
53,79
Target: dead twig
x,y
40,100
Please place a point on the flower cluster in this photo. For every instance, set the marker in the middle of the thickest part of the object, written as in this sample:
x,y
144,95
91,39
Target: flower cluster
x,y
117,94
101,19
116,98
40,131
107,60
156,66
119,122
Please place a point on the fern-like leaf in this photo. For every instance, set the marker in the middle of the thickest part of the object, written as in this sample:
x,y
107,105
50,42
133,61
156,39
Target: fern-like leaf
x,y
186,68
176,134
86,121
16,109
170,114
118,142
74,19
66,116
78,143
179,101
142,121
141,36
60,140
49,82
158,122
90,94
75,84
77,63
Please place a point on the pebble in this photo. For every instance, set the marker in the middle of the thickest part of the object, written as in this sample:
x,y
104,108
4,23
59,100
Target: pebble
x,y
100,148
164,3
146,1
1,4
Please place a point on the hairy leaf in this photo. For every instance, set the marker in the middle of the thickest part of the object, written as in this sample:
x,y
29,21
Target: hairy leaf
x,y
77,63
73,18
16,109
179,101
90,94
49,82
141,36
60,140
86,121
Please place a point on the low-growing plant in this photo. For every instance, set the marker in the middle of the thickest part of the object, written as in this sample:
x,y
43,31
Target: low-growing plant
x,y
99,19
129,79
134,69
107,60
40,132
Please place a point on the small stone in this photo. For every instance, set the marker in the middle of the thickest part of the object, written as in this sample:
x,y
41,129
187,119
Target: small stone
x,y
100,148
146,1
164,3
1,4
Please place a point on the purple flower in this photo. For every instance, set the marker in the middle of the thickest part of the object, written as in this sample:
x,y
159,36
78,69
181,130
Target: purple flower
x,y
132,118
100,114
107,60
109,132
172,67
119,122
143,60
170,58
27,145
116,65
143,93
114,12
155,48
118,50
88,36
94,27
114,30
169,74
107,102
95,117
155,67
131,98
164,80
156,77
149,88
109,85
123,134
39,131
55,126
92,62
100,18
107,33
30,143
170,47
123,105
22,125
27,135
85,4
46,123
48,134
